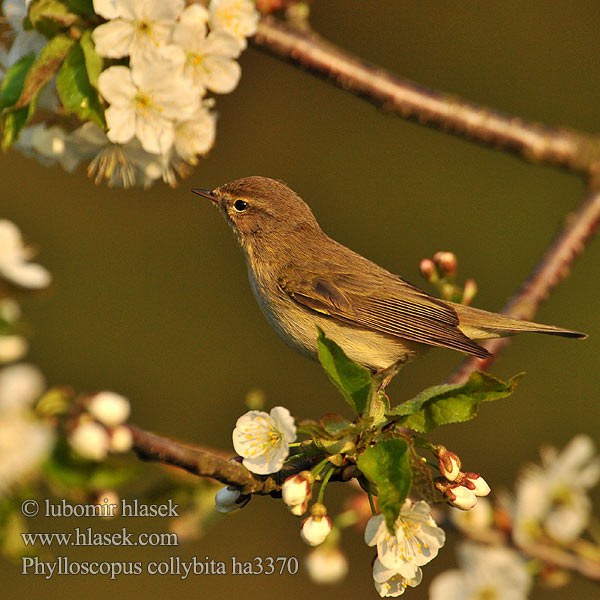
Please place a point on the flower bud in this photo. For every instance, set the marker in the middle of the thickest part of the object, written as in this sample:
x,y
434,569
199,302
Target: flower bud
x,y
460,497
121,439
446,262
109,408
326,565
229,498
298,509
317,527
469,291
428,270
456,494
449,464
297,489
90,440
477,484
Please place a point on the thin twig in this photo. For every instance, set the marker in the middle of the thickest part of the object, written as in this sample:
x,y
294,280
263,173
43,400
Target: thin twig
x,y
575,151
553,267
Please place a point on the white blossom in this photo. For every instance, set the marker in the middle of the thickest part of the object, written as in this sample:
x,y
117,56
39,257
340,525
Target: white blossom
x,y
146,98
326,565
209,62
121,439
109,408
479,518
553,499
389,583
90,440
239,18
315,529
24,441
13,259
134,26
263,439
486,572
415,541
122,165
196,135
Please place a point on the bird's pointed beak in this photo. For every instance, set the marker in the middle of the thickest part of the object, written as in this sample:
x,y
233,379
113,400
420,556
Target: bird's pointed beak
x,y
206,194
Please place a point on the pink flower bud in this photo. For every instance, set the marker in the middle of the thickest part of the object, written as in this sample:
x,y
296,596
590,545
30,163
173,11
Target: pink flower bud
x,y
477,484
428,270
460,497
317,527
297,489
469,291
449,464
446,262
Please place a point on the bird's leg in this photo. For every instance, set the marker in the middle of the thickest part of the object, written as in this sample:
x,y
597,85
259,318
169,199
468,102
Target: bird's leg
x,y
388,373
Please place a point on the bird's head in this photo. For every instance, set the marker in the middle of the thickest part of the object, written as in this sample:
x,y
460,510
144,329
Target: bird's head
x,y
259,207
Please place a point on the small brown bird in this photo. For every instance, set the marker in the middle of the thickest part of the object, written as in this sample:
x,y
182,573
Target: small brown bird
x,y
303,279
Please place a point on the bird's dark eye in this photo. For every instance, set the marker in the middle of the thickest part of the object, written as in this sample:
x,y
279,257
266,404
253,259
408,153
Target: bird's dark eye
x,y
240,205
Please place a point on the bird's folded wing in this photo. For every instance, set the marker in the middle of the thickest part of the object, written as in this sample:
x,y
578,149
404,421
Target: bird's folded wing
x,y
394,307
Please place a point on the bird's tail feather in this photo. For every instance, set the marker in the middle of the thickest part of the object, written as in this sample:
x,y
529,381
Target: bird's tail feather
x,y
480,324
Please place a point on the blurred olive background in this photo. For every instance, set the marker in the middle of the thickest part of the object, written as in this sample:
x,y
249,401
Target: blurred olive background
x,y
150,295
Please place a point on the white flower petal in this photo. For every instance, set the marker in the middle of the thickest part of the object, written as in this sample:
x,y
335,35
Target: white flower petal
x,y
109,9
222,74
116,85
113,39
155,133
29,275
121,124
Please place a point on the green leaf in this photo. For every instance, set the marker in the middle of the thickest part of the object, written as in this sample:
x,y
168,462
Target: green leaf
x,y
44,67
451,403
387,465
12,123
75,91
353,380
336,425
12,86
51,16
93,62
81,7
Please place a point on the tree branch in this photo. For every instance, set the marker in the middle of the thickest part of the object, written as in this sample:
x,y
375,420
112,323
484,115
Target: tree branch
x,y
569,149
152,447
553,267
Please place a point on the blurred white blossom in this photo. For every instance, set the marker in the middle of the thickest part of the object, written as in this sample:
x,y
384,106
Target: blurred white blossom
x,y
263,439
90,440
326,565
109,408
552,499
415,541
12,345
195,136
239,18
13,259
146,99
486,572
24,441
134,26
